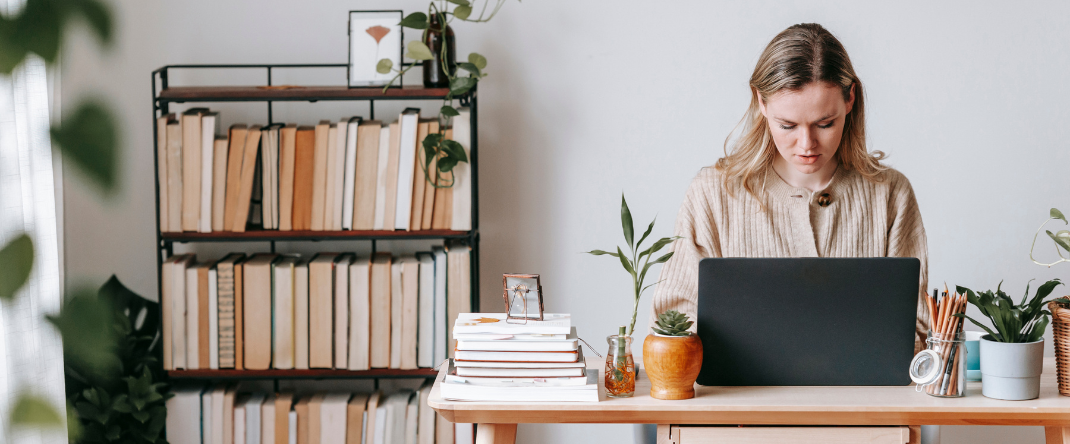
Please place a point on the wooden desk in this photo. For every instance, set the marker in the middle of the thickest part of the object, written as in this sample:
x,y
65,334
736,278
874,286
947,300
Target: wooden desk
x,y
809,406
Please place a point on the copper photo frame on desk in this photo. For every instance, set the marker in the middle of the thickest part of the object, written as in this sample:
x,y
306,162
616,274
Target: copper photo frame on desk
x,y
523,297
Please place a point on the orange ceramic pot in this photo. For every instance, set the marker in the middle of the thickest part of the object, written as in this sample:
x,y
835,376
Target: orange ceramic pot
x,y
672,364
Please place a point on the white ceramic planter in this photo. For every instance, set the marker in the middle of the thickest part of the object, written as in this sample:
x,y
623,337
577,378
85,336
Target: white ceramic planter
x,y
1011,371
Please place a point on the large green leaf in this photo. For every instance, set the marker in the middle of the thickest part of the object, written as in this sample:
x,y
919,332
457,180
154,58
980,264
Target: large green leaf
x,y
1056,214
416,20
88,138
16,262
459,86
384,66
656,261
462,12
418,51
12,52
98,16
478,60
1062,241
448,111
33,411
85,324
39,28
625,262
626,221
470,68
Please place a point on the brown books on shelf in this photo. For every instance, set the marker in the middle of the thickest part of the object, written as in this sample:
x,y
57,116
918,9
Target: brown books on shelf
x,y
359,313
332,178
166,307
203,340
429,193
304,164
355,418
458,286
410,283
320,311
301,314
191,168
416,214
315,418
397,296
174,176
235,155
161,167
287,150
319,174
337,163
366,174
219,183
282,417
226,291
257,311
391,178
443,213
248,173
239,314
301,407
341,310
380,311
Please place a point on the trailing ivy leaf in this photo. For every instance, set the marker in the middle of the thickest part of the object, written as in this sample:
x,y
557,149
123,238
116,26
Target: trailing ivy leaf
x,y
1061,241
33,411
449,111
85,324
1064,236
462,12
446,164
39,29
99,18
454,150
467,66
89,139
600,252
418,51
476,59
16,262
460,85
1056,214
416,20
384,66
460,2
626,221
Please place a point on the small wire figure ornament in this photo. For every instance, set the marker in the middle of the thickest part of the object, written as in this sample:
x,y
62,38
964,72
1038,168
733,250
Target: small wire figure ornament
x,y
523,298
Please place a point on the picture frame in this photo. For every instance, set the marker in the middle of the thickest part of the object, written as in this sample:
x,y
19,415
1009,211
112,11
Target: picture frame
x,y
373,35
523,297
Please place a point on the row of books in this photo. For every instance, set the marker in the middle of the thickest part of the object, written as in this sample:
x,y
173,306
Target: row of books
x,y
221,415
332,310
499,359
347,175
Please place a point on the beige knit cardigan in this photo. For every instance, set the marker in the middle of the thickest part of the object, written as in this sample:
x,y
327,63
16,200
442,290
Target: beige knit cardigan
x,y
864,219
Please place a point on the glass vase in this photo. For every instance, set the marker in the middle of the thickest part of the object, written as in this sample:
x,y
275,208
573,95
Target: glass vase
x,y
620,368
437,36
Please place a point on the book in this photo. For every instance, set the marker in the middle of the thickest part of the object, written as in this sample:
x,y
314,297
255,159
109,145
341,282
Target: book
x,y
379,350
166,308
412,412
359,313
287,150
396,409
425,431
462,173
161,168
240,423
209,128
213,318
552,323
184,409
429,193
320,311
178,309
235,155
372,418
443,430
510,344
409,126
535,356
520,372
248,173
333,416
226,306
332,178
206,416
338,163
315,418
256,200
293,427
301,407
355,419
304,166
522,392
269,169
418,180
253,407
521,365
410,286
397,296
219,182
218,394
382,181
442,218
257,311
341,310
349,170
283,314
283,402
439,318
319,174
391,175
174,176
381,422
425,341
301,314
531,382
229,395
191,168
458,285
366,174
239,314
512,337
267,421
197,316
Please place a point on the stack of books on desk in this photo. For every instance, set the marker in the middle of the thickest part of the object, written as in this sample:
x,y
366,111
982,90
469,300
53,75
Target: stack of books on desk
x,y
496,360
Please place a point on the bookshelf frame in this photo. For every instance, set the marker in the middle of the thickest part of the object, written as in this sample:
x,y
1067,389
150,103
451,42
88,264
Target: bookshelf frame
x,y
164,95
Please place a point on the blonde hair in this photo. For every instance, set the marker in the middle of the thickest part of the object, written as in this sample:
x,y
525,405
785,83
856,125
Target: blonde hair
x,y
798,56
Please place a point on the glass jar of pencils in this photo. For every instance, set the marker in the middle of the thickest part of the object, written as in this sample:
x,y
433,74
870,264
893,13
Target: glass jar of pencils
x,y
620,368
940,369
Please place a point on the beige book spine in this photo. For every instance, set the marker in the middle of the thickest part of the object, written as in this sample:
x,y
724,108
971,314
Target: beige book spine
x,y
416,213
391,195
191,171
239,315
320,311
288,142
355,418
166,305
430,191
319,174
174,176
161,168
282,417
410,284
380,311
397,297
257,312
366,175
219,183
203,323
443,213
248,171
332,174
235,155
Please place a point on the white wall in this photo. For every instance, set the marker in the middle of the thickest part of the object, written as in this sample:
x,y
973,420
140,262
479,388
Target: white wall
x,y
589,99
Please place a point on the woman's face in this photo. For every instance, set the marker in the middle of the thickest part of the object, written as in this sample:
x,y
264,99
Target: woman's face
x,y
807,124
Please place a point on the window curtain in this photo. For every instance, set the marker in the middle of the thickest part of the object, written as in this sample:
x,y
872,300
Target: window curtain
x,y
31,353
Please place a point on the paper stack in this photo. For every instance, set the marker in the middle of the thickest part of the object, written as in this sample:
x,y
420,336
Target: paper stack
x,y
525,361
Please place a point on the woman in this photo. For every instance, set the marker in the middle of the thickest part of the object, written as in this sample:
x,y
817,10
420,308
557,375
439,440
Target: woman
x,y
798,181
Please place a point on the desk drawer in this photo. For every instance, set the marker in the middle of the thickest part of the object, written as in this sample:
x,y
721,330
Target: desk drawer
x,y
787,435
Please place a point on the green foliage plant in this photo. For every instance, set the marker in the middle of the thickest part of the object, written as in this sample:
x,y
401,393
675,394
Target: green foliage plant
x,y
632,260
672,323
448,153
1021,323
1061,239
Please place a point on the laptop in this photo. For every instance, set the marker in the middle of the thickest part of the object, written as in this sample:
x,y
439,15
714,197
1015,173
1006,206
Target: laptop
x,y
807,321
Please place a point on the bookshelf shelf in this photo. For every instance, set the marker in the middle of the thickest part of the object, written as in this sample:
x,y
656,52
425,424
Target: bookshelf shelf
x,y
178,94
382,373
282,236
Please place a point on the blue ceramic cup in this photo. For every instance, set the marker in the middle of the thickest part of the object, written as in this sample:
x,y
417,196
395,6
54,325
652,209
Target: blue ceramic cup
x,y
973,355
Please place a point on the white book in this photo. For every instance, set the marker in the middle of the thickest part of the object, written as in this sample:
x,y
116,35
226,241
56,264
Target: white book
x,y
425,340
213,318
513,381
341,311
359,314
332,173
380,182
333,418
396,407
379,437
425,430
518,337
440,305
218,396
412,415
282,355
570,344
253,418
206,416
579,363
239,420
301,314
267,422
339,165
183,410
396,300
464,355
178,312
372,418
552,323
524,393
293,428
465,433
275,177
348,186
269,172
409,120
192,320
209,128
520,372
462,173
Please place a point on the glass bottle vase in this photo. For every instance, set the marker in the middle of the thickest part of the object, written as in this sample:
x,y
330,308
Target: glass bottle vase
x,y
620,368
437,36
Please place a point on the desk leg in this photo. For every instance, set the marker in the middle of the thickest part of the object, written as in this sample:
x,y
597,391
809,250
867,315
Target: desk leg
x,y
1056,435
496,434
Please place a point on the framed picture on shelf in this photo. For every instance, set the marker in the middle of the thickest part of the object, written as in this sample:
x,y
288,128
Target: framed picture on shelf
x,y
373,36
523,297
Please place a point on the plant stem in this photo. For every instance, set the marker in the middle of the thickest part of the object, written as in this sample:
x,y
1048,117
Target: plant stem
x,y
1031,247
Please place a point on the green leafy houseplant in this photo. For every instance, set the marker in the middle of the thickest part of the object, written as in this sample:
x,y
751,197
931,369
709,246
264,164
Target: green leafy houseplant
x,y
672,323
632,260
1022,323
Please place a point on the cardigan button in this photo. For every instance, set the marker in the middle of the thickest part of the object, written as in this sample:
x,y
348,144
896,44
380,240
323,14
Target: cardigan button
x,y
824,199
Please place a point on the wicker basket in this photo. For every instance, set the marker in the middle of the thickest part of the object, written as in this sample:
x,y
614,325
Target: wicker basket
x,y
1061,335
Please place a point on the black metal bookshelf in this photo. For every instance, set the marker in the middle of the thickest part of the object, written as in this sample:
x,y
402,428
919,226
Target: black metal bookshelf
x,y
165,94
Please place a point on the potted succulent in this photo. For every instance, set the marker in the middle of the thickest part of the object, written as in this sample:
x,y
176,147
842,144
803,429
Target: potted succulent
x,y
1012,355
1060,308
672,357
